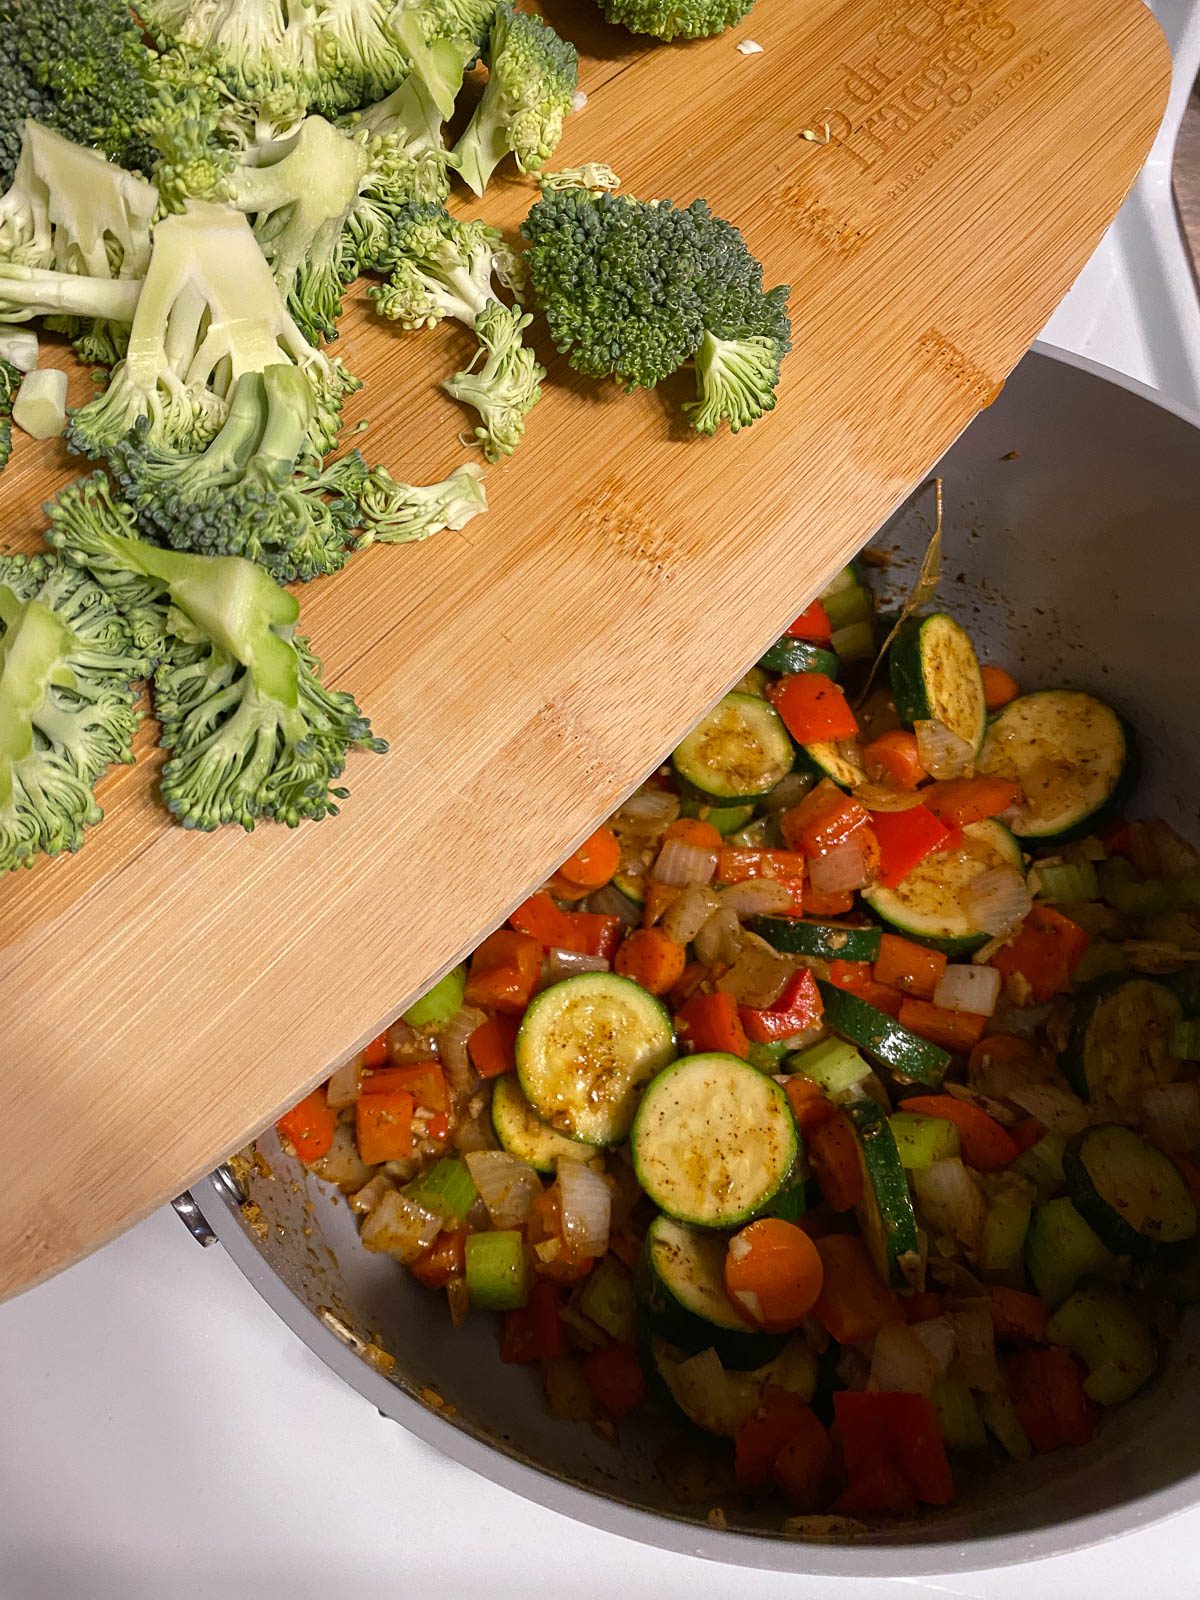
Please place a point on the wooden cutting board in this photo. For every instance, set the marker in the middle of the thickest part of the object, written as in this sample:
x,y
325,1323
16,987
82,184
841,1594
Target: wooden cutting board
x,y
165,995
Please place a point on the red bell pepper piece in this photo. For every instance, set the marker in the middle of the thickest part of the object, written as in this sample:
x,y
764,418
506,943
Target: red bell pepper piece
x,y
535,1332
899,1429
797,1009
1049,1398
779,1416
905,839
812,624
814,709
424,1080
504,971
308,1127
824,819
1045,953
377,1053
615,1376
881,1490
442,1262
493,1045
857,977
587,933
711,1022
785,867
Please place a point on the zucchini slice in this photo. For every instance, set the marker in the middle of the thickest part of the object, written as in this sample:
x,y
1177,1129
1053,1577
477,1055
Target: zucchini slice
x,y
841,762
906,1056
681,1283
885,1211
523,1133
1101,1327
739,751
585,1049
1120,1042
799,655
930,906
1133,1195
936,677
1071,754
828,941
713,1141
719,1401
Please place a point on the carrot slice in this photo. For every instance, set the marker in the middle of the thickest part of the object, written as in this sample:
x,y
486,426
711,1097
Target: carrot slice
x,y
903,965
692,830
854,1302
893,758
833,1152
960,801
593,864
953,1030
773,1273
999,687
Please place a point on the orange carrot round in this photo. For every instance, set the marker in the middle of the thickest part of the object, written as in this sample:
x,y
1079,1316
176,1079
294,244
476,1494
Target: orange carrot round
x,y
773,1273
833,1152
691,830
894,758
593,864
999,687
651,958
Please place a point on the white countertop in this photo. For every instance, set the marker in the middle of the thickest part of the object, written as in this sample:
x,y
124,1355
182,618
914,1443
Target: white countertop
x,y
164,1437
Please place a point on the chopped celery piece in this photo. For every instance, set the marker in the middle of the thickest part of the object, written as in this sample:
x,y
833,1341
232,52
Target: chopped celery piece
x,y
1002,1421
847,578
958,1415
725,819
1042,1164
847,606
1185,1040
1099,959
438,1005
496,1270
1126,892
769,1057
1061,1249
1109,1337
447,1189
922,1140
1004,1232
1064,882
855,643
833,1065
606,1298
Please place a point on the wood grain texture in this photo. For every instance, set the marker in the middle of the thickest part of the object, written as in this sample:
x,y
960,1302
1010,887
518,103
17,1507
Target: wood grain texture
x,y
165,995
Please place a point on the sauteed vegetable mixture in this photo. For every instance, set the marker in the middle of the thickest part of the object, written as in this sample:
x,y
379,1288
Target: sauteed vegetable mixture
x,y
839,1093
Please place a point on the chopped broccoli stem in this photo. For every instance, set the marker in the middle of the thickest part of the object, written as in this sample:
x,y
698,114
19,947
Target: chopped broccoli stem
x,y
251,730
592,175
399,513
67,706
532,75
35,291
508,385
10,382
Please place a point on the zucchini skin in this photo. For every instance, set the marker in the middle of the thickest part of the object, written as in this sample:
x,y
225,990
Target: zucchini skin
x,y
1118,797
885,1040
666,1317
799,655
1091,995
826,940
1109,1226
887,1220
906,666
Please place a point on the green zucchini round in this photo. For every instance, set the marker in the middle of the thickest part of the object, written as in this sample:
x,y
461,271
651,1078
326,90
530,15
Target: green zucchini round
x,y
936,677
929,905
681,1285
1120,1041
799,655
1134,1197
523,1133
738,752
885,1209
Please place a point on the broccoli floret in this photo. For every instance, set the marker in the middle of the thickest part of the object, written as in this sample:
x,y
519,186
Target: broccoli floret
x,y
676,19
67,707
251,730
10,382
532,75
209,311
634,289
253,492
439,266
442,38
408,162
399,513
20,98
359,56
508,385
89,59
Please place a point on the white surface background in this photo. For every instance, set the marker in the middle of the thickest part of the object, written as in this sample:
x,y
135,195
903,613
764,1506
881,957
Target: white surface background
x,y
164,1437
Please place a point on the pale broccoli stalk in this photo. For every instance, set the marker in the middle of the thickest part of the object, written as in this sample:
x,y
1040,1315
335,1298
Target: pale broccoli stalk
x,y
408,158
209,311
532,75
442,38
251,730
256,491
508,385
592,175
399,513
67,707
27,292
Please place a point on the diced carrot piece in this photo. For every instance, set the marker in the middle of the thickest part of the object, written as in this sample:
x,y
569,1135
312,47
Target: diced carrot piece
x,y
711,1022
693,830
894,759
424,1080
857,977
809,1105
651,959
833,1152
903,965
442,1262
953,1030
785,867
958,802
999,687
854,1302
308,1127
818,903
615,1376
504,971
1049,1398
596,860
384,1126
1045,953
492,1046
1016,1315
824,819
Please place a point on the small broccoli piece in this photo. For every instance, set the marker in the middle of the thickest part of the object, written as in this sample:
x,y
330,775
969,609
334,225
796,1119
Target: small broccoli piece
x,y
442,38
532,75
89,59
359,55
251,730
208,312
440,266
255,491
508,385
399,513
634,289
67,707
592,175
10,382
408,162
676,19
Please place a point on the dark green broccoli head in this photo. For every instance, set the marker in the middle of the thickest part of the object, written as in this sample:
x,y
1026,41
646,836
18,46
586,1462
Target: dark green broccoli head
x,y
20,97
676,19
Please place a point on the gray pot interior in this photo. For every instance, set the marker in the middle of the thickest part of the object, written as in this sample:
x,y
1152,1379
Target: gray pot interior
x,y
1071,507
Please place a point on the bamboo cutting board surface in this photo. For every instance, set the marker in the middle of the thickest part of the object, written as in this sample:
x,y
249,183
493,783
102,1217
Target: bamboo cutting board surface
x,y
165,995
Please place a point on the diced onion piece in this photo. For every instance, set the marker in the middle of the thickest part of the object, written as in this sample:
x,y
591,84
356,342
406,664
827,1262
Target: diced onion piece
x,y
344,1087
943,753
586,1204
610,902
757,897
951,1201
720,939
399,1227
369,1196
975,1336
688,913
878,797
998,900
758,976
788,792
561,964
1052,1105
650,805
452,1048
507,1187
900,1362
681,863
937,1335
963,988
845,867
1171,1116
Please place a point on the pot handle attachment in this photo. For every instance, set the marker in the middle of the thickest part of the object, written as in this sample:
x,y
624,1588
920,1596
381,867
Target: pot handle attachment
x,y
187,1209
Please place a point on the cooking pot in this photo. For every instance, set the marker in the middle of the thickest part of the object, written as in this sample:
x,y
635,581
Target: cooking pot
x,y
1072,514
